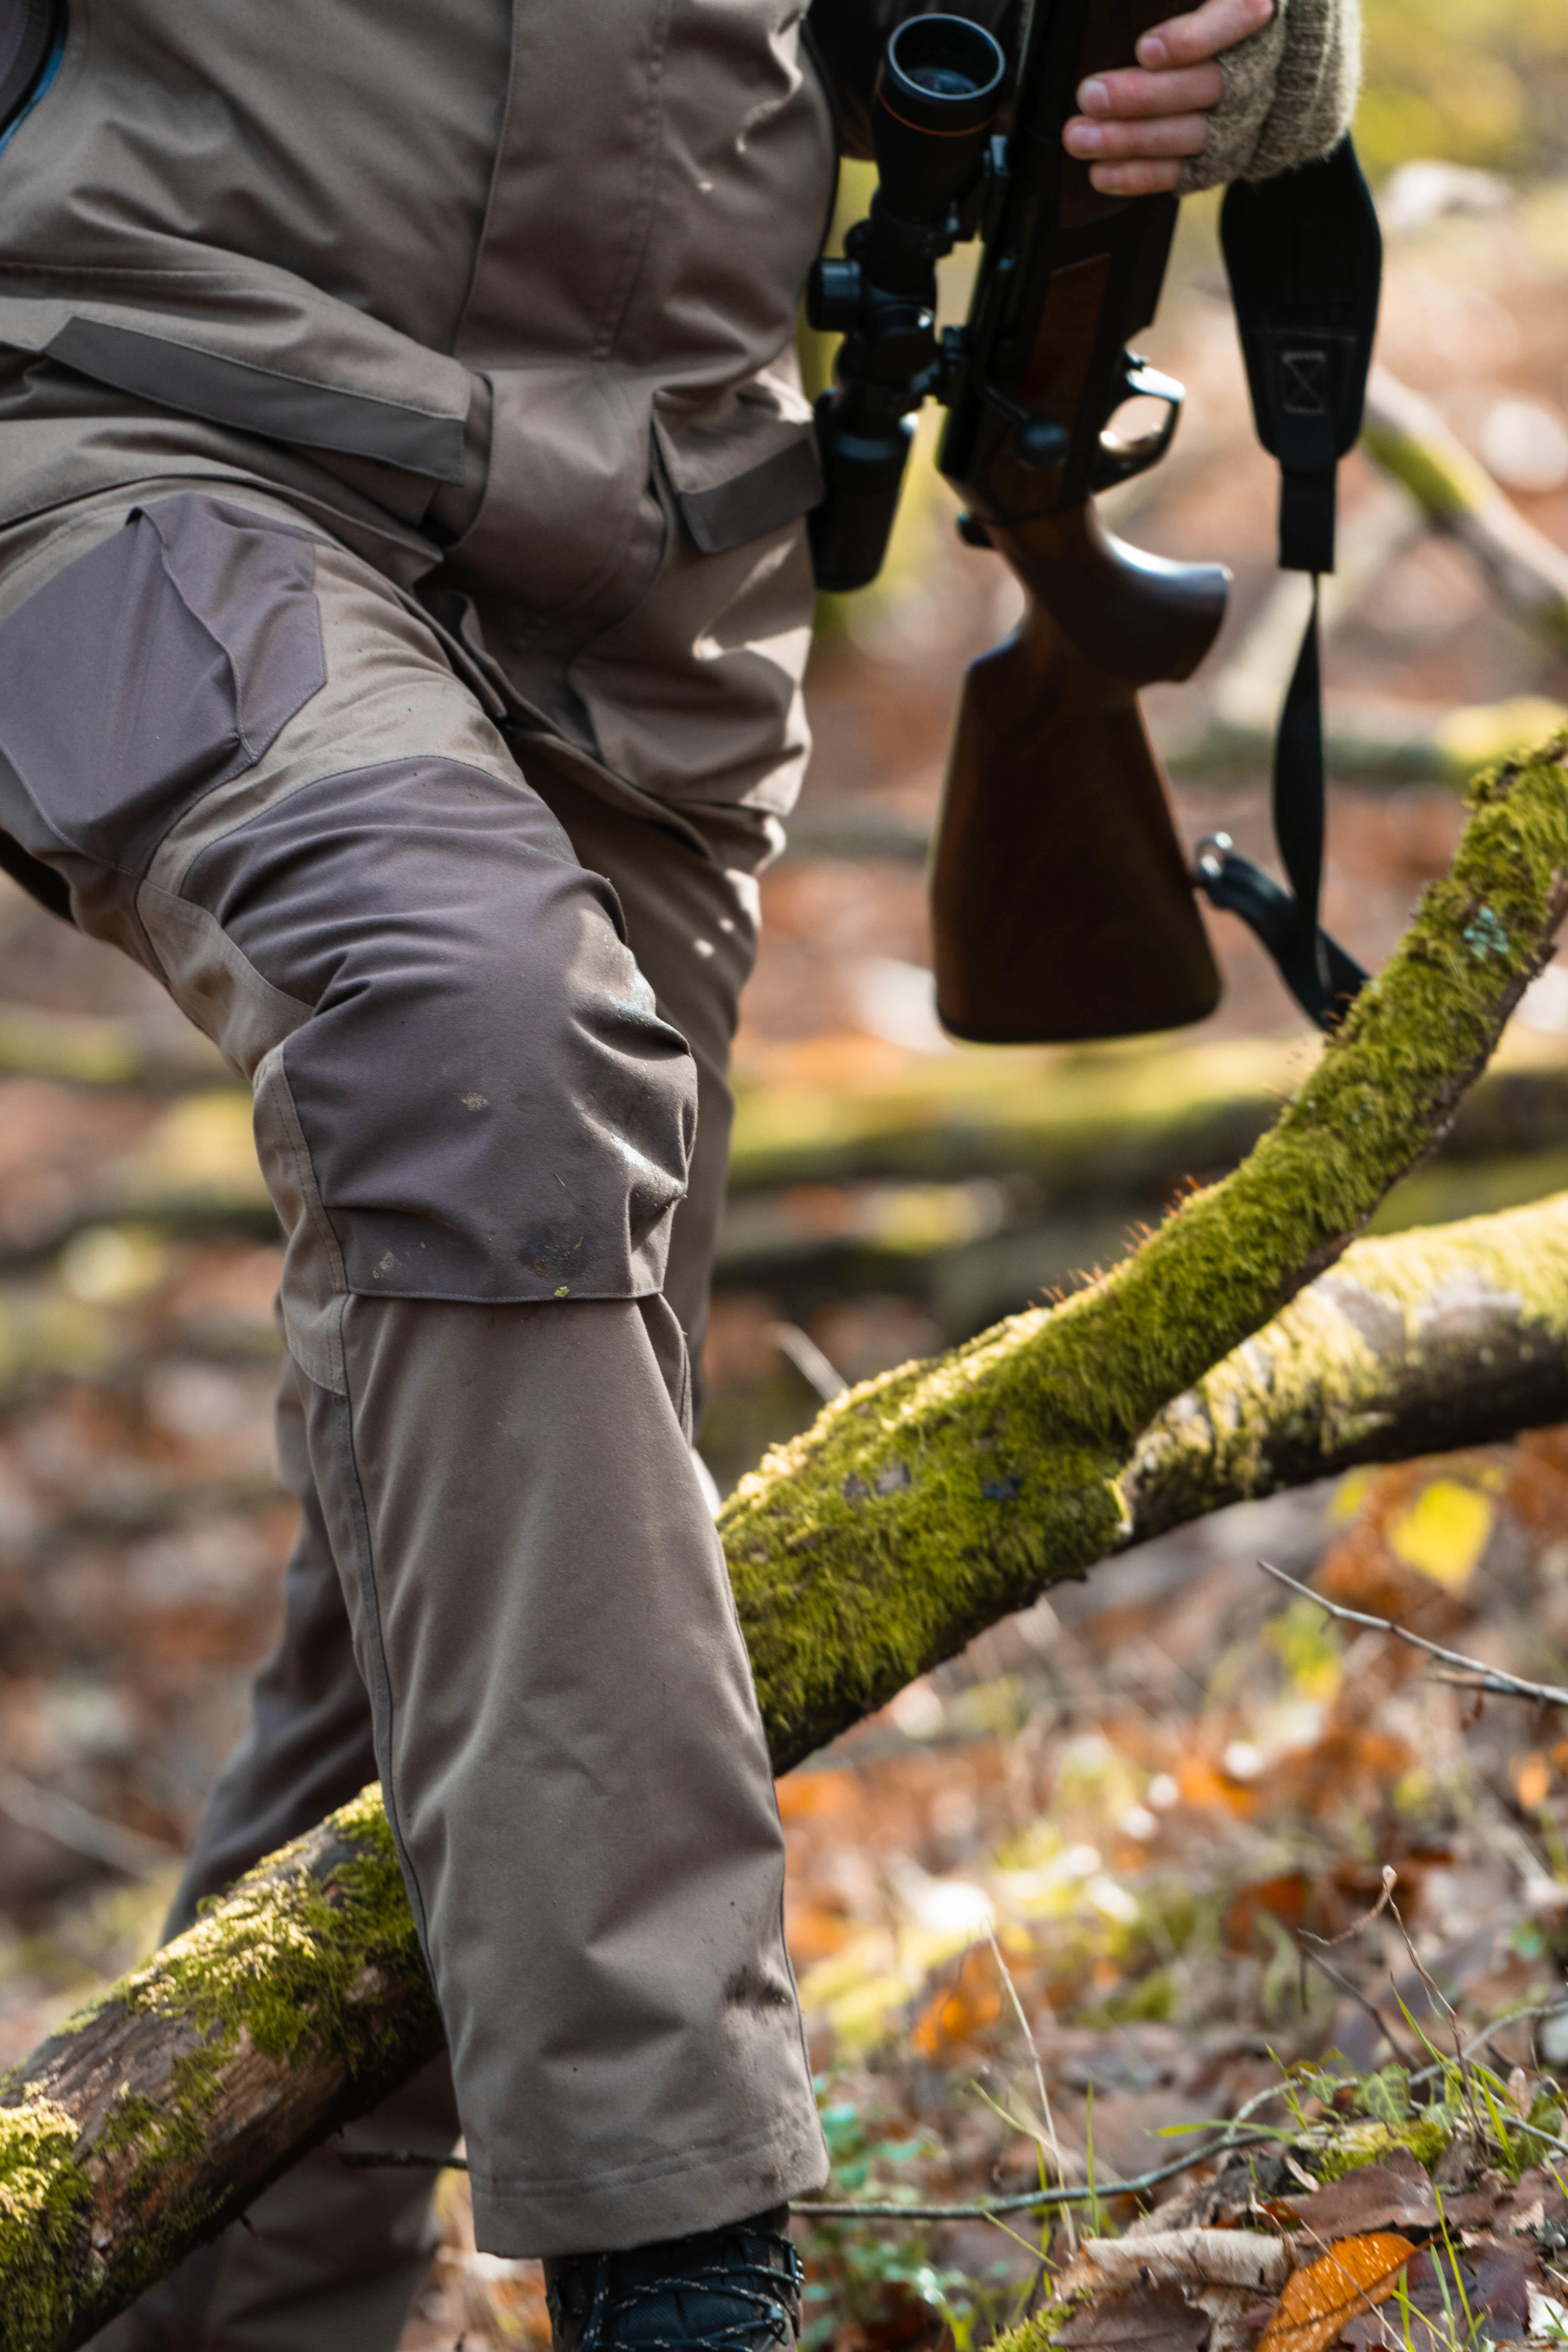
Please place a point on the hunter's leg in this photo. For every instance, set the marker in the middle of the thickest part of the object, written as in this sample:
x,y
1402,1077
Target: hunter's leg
x,y
329,2259
688,893
476,1128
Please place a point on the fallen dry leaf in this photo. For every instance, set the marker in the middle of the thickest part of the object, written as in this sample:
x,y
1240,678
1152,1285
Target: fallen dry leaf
x,y
1393,2195
1224,2271
1492,2283
1154,2318
1197,2258
1504,2272
1535,2199
1318,2300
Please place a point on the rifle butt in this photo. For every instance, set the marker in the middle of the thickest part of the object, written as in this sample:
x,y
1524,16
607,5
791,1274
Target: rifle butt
x,y
1062,908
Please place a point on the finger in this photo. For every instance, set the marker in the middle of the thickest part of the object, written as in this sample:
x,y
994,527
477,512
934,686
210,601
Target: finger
x,y
1134,94
1189,40
1133,179
1173,135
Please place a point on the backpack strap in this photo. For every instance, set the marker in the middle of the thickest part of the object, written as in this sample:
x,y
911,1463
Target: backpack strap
x,y
1305,259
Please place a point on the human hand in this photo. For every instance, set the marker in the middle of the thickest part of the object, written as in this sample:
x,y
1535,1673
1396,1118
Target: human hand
x,y
1139,122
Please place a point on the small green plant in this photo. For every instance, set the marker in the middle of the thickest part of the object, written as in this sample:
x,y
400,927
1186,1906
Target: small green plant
x,y
855,2270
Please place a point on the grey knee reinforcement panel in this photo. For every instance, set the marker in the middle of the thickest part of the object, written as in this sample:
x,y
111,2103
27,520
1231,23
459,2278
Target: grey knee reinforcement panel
x,y
493,1107
148,672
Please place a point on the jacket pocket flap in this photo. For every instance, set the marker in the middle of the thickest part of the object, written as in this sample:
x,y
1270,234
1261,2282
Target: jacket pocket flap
x,y
741,473
374,410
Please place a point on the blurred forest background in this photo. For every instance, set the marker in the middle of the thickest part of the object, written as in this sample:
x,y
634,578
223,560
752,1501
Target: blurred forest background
x,y
1137,1794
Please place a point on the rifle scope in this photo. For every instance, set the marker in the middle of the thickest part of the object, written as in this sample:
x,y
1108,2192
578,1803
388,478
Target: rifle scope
x,y
937,93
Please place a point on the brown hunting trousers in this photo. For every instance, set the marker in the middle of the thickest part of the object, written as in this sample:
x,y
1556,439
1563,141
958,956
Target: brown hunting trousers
x,y
486,1012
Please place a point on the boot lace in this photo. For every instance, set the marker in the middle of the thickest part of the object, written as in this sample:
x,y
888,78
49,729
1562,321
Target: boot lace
x,y
764,2320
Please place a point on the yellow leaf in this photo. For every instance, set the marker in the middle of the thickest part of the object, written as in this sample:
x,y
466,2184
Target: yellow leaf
x,y
1533,1784
1443,1532
1317,2301
1352,1493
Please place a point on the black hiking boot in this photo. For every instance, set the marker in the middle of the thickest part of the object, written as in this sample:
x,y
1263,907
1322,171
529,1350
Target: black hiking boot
x,y
731,2290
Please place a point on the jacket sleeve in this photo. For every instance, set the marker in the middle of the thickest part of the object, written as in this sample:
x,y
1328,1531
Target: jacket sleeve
x,y
1290,93
848,38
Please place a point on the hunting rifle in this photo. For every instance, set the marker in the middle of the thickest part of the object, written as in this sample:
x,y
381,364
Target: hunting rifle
x,y
1061,901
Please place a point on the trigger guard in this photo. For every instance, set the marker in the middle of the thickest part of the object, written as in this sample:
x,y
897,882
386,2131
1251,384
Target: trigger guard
x,y
1120,461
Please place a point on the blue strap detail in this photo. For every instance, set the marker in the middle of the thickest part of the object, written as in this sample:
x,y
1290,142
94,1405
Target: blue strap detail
x,y
51,68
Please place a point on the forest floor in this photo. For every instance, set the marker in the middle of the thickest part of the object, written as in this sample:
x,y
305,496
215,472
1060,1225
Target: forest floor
x,y
1123,1817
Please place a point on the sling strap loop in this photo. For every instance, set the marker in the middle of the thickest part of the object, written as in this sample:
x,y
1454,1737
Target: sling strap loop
x,y
1304,255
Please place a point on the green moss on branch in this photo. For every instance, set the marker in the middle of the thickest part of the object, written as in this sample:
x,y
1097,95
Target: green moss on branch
x,y
158,2112
923,1505
1433,1339
45,2209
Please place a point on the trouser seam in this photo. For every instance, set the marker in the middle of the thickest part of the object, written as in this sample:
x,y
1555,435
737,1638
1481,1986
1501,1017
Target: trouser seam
x,y
366,1573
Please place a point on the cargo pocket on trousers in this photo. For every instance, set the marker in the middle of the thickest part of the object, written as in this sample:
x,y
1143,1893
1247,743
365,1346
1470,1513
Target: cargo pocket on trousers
x,y
148,672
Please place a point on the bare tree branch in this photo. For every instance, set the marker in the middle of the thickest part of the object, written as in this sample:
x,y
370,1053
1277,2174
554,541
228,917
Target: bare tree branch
x,y
1478,1677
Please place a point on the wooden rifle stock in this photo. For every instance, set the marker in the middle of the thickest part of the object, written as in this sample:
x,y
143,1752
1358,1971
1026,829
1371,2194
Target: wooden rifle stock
x,y
1061,904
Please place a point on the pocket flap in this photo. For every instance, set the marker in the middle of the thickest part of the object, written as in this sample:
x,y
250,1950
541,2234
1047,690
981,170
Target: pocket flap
x,y
363,389
738,468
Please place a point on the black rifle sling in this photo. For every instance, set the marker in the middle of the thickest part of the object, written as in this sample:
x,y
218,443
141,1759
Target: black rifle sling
x,y
1305,261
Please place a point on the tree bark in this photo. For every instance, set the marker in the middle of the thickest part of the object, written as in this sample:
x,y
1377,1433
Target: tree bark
x,y
157,2113
1455,1336
921,1507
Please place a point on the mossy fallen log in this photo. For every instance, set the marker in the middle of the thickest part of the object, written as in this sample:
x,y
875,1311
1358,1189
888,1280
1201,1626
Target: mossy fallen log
x,y
923,1505
920,1508
1405,436
100,1050
1089,1122
193,2081
302,1998
1453,1336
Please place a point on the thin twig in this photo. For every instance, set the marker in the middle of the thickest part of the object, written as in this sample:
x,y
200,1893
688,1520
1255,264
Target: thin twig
x,y
407,2159
814,1367
1430,1981
1496,1678
1439,1997
1355,1993
1513,2016
54,1815
1332,1943
1487,1685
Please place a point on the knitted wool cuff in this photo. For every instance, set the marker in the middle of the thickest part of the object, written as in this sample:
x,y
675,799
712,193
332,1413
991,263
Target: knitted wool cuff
x,y
1290,93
